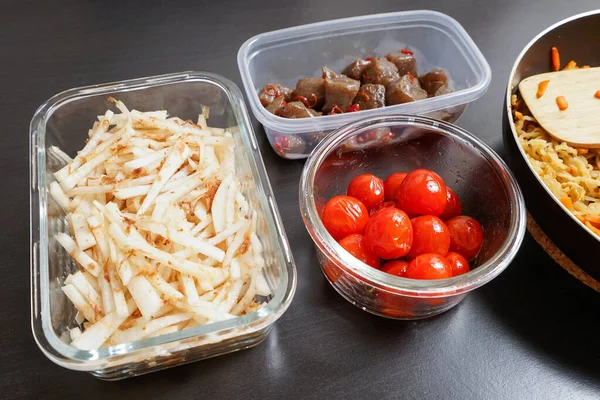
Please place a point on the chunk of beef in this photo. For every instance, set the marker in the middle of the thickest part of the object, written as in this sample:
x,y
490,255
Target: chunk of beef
x,y
340,92
272,91
370,96
356,69
297,109
404,62
433,80
381,72
305,87
404,90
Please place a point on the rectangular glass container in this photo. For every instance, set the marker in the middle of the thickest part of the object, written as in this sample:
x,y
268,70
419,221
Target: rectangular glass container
x,y
64,121
284,56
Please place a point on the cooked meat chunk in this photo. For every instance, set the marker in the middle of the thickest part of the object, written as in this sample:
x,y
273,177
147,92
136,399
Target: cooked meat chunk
x,y
404,62
340,92
276,104
433,80
331,74
307,86
381,72
273,90
356,69
404,90
444,89
297,109
370,96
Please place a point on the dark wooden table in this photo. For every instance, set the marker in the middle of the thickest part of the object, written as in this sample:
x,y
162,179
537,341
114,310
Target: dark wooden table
x,y
531,333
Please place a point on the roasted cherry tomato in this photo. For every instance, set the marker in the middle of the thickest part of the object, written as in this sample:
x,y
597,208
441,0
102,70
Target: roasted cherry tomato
x,y
453,206
422,192
368,189
430,235
429,266
344,215
392,184
354,244
389,233
385,204
459,264
466,236
395,267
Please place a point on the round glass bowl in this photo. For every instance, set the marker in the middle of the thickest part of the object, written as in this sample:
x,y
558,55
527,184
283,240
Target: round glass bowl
x,y
384,145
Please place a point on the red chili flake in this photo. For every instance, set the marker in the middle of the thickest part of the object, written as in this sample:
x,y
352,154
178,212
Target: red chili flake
x,y
314,96
406,51
336,110
271,90
369,59
281,145
412,78
366,78
363,94
353,108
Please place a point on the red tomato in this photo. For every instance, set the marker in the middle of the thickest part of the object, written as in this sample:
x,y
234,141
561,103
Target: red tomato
x,y
392,184
343,216
429,266
396,267
459,264
422,192
389,233
354,244
430,235
368,189
453,206
466,236
385,204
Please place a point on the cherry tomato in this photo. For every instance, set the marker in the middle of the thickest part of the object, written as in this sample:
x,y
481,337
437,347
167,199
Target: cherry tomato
x,y
466,236
429,266
430,235
422,192
396,267
395,306
368,189
385,204
354,244
392,184
344,215
389,233
459,264
453,206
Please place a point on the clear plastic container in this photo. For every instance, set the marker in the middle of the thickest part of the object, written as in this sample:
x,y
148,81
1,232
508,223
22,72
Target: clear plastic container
x,y
63,121
287,55
473,170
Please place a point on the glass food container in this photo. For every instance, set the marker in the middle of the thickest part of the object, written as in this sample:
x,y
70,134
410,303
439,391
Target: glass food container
x,y
485,186
63,121
286,55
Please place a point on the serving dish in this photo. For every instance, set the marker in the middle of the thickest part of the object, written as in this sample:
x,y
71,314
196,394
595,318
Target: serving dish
x,y
570,235
63,121
285,56
486,187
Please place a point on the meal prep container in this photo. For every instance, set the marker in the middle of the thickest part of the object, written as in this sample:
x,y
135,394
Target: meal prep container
x,y
573,238
486,187
64,121
287,55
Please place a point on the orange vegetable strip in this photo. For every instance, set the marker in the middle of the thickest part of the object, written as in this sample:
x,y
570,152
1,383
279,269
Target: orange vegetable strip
x,y
570,65
580,218
555,59
542,86
585,66
567,202
519,115
597,94
593,228
594,219
581,150
562,103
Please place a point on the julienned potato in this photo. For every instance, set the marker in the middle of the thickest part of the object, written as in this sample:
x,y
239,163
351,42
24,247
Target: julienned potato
x,y
163,237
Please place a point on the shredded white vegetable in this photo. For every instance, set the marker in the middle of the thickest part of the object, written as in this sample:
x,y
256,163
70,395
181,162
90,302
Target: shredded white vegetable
x,y
160,229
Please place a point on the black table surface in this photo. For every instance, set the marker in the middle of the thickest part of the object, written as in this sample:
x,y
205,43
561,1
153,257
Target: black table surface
x,y
531,333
